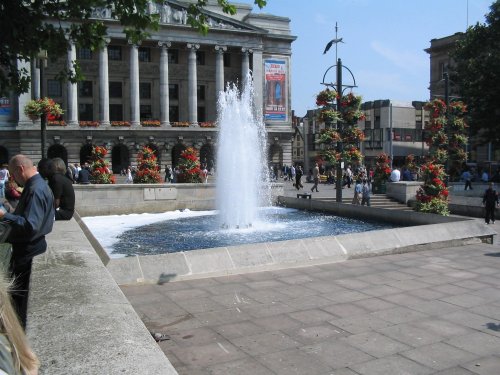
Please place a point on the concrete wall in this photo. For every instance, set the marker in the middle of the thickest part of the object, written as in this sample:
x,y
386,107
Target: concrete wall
x,y
95,200
403,191
79,321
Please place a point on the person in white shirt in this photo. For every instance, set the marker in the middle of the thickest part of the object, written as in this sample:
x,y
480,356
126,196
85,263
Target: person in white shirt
x,y
395,175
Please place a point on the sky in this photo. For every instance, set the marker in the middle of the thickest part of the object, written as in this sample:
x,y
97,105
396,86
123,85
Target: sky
x,y
384,42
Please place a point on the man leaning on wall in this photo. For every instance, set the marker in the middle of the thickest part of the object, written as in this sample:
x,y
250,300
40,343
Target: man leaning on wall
x,y
31,221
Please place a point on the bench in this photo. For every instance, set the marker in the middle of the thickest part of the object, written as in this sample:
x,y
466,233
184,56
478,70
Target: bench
x,y
304,195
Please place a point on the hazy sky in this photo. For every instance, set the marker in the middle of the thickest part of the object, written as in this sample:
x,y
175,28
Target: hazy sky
x,y
384,43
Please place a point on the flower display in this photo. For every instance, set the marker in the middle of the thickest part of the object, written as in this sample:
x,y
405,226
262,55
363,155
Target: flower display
x,y
35,108
88,124
151,123
445,134
178,124
325,97
382,168
329,115
56,123
343,113
208,124
189,166
148,171
120,123
432,196
100,173
411,163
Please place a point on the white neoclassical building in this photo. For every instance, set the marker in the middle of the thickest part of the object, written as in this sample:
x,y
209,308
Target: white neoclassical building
x,y
162,92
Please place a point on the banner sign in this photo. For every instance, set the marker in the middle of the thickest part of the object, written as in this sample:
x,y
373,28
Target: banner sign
x,y
276,91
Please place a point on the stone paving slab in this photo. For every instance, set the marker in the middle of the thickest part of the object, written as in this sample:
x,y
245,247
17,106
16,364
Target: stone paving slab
x,y
427,312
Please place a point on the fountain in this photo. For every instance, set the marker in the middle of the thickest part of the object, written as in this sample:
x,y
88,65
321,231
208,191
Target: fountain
x,y
243,197
241,155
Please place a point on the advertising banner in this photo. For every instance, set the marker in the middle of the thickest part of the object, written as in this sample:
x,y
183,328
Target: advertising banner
x,y
276,89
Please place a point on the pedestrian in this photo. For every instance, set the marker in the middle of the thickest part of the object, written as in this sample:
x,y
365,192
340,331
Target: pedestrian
x,y
315,175
358,193
365,193
4,177
485,177
31,221
467,178
84,174
62,188
292,175
490,201
298,177
16,356
168,174
128,173
348,177
395,175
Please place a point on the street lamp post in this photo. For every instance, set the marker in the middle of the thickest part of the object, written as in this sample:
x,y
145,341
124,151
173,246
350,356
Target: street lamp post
x,y
340,144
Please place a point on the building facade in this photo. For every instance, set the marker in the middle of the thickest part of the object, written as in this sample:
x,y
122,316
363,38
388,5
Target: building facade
x,y
162,93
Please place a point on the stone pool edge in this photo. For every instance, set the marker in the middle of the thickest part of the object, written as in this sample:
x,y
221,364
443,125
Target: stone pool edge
x,y
425,232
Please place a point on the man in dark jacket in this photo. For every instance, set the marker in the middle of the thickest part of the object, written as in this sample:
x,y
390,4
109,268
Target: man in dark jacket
x,y
490,201
31,221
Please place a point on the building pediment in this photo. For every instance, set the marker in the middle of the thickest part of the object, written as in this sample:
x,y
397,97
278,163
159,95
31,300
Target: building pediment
x,y
175,13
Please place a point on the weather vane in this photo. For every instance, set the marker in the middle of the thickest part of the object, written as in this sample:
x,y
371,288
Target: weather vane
x,y
336,41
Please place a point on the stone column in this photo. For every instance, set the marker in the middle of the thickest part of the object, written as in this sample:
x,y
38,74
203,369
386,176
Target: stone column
x,y
219,69
245,64
192,85
164,93
72,117
258,83
35,77
134,86
104,85
20,101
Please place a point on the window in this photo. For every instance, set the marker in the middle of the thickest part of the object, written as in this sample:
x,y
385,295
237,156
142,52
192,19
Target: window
x,y
54,88
201,92
115,89
85,112
200,57
201,114
173,91
144,54
146,112
145,90
115,53
174,113
227,60
443,68
115,112
173,56
85,89
83,54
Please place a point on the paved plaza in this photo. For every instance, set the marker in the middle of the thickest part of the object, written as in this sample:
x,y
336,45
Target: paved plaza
x,y
427,312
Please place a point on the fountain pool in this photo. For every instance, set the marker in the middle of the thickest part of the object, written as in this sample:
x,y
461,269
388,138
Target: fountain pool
x,y
149,234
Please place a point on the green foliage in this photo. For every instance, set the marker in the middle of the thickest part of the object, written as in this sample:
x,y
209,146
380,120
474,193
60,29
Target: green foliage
x,y
25,30
477,72
434,206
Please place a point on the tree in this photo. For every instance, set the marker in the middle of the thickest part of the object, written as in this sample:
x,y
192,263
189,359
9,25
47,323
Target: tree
x,y
477,72
27,27
189,166
100,170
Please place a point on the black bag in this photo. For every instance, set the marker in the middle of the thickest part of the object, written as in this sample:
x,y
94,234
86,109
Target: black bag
x,y
4,231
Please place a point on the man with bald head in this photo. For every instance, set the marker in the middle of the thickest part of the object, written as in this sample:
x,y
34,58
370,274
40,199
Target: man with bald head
x,y
31,221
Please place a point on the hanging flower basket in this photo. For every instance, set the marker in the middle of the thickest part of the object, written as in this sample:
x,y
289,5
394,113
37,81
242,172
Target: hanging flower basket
x,y
325,97
34,109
